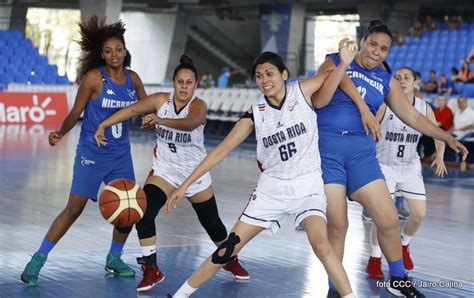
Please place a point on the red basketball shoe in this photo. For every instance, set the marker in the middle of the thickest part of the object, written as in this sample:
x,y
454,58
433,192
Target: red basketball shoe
x,y
374,268
407,262
236,269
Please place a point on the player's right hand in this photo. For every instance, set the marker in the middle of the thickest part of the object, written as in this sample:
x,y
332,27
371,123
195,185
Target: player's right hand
x,y
99,136
174,199
54,138
347,50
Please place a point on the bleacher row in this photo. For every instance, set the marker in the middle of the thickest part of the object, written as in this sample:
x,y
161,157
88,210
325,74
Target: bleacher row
x,y
439,50
21,62
223,104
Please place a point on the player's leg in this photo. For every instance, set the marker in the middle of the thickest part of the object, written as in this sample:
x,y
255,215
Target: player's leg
x,y
205,206
87,177
156,189
240,235
315,227
374,264
120,166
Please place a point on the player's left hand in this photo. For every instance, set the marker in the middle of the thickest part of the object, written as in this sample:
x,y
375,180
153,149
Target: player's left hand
x,y
440,167
458,147
149,121
347,50
174,199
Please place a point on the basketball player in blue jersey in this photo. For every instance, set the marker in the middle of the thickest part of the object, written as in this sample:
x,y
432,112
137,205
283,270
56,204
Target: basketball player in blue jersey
x,y
348,157
106,87
180,118
401,166
290,184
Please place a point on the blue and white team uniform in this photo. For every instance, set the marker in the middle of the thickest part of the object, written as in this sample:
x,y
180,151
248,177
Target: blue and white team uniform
x,y
348,156
94,165
287,153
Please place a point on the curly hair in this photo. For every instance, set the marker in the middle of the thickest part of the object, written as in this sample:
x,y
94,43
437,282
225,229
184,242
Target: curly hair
x,y
93,36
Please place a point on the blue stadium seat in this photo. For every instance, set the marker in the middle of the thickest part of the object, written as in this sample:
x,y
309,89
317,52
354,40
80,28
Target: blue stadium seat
x,y
468,90
49,79
458,87
64,80
21,79
36,79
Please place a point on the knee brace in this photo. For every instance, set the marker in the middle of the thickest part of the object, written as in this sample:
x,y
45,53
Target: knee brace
x,y
228,246
124,230
155,199
210,220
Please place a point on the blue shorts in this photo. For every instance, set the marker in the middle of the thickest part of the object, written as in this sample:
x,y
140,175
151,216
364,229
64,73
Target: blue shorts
x,y
93,166
349,160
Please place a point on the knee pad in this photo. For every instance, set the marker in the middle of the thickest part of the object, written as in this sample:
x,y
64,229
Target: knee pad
x,y
229,247
124,230
210,220
156,199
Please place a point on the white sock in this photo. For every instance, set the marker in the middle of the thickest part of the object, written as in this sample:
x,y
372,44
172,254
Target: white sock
x,y
185,291
405,238
351,295
376,252
148,250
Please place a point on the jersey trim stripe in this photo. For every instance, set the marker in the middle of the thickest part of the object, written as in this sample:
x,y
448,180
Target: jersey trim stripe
x,y
264,220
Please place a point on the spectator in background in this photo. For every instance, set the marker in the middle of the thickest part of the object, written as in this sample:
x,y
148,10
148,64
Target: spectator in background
x,y
416,30
454,75
445,87
398,38
431,85
418,93
223,80
465,75
443,114
206,82
470,57
454,22
430,24
463,119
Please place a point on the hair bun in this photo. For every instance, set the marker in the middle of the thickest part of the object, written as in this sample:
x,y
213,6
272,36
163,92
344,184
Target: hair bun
x,y
374,23
185,59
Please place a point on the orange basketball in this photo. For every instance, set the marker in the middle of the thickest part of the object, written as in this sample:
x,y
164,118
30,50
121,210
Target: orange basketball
x,y
122,202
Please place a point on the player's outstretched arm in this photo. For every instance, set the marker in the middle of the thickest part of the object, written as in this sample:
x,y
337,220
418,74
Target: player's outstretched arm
x,y
238,134
410,116
141,107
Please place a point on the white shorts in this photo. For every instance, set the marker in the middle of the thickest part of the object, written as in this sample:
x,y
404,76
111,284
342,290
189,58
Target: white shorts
x,y
274,200
405,180
175,177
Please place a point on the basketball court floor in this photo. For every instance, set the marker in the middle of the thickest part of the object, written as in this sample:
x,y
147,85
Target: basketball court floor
x,y
34,185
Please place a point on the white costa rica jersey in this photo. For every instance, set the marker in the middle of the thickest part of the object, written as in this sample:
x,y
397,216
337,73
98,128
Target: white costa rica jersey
x,y
287,136
177,150
399,141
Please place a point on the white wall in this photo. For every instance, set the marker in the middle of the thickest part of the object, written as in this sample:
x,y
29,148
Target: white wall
x,y
148,38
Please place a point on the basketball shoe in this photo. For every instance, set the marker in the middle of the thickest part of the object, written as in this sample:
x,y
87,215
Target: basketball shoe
x,y
402,212
374,268
151,273
32,269
115,265
407,262
402,286
236,269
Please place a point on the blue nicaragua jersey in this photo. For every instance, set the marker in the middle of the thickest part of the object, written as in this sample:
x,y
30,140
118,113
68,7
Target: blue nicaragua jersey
x,y
341,114
112,98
